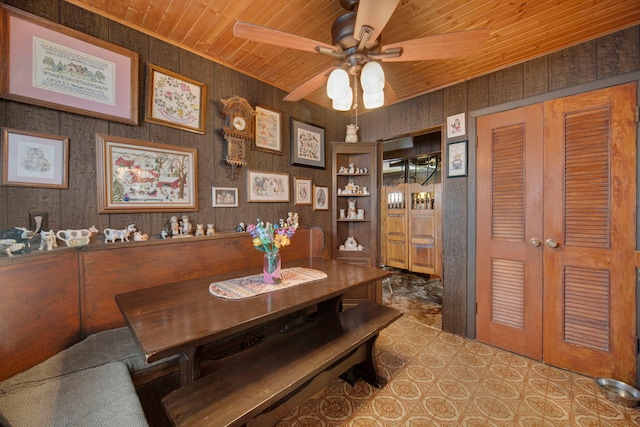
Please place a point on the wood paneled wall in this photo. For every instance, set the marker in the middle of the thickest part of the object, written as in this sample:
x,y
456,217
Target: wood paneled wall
x,y
609,56
77,206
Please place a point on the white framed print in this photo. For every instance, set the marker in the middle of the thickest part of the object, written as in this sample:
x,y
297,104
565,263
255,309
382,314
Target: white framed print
x,y
456,126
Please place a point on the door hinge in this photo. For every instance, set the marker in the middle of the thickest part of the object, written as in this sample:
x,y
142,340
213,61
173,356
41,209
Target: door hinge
x,y
637,113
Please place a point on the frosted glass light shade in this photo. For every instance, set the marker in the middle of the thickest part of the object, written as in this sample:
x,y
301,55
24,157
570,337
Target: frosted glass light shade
x,y
343,104
338,84
373,100
372,78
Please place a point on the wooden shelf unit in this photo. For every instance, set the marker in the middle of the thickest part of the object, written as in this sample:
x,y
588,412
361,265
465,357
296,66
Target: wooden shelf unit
x,y
361,155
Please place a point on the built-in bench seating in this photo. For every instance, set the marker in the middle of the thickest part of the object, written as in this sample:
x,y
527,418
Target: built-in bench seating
x,y
67,356
87,384
267,381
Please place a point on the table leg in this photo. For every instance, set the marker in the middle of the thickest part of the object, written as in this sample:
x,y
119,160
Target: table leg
x,y
368,369
189,366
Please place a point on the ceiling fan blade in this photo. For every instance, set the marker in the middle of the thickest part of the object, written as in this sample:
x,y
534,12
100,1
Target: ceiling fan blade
x,y
449,45
309,86
374,14
278,38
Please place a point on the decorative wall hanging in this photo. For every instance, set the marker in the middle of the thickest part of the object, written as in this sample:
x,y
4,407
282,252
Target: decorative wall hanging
x,y
307,144
237,131
224,197
455,125
53,66
141,176
34,160
267,186
174,100
303,194
457,159
268,130
320,198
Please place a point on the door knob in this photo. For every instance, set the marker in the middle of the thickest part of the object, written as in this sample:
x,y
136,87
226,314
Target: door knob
x,y
552,243
535,242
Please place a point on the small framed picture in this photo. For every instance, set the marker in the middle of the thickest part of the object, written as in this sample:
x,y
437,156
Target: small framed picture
x,y
224,197
267,186
303,191
455,125
320,198
34,160
307,144
457,159
268,130
174,100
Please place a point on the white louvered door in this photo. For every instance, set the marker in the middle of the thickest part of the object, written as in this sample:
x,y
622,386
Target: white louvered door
x,y
568,297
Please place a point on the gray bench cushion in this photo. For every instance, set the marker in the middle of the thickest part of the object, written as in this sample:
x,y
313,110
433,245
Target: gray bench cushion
x,y
100,396
97,349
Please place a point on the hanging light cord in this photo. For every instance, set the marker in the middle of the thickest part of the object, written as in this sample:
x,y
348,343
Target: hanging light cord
x,y
355,104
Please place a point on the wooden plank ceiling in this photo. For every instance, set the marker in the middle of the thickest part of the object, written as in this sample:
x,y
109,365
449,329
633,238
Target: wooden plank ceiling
x,y
520,31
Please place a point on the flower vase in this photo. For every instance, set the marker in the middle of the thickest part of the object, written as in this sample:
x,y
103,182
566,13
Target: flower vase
x,y
271,269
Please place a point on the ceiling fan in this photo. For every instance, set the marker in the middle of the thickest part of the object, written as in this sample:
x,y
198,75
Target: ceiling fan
x,y
356,43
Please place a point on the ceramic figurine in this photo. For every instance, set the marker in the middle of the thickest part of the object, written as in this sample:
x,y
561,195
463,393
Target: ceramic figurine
x,y
9,246
76,237
111,234
241,227
48,239
186,225
352,212
210,230
352,133
351,245
175,226
164,233
21,236
199,230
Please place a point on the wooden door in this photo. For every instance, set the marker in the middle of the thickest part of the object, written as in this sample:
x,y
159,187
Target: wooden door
x,y
567,298
394,220
590,191
509,212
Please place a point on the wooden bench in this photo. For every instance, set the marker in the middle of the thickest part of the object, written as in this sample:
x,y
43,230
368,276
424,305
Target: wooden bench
x,y
265,382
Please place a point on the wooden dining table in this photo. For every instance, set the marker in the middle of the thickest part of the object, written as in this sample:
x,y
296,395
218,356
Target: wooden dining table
x,y
185,319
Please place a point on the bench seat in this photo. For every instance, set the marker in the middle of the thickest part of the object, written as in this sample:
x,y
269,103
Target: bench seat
x,y
266,381
88,384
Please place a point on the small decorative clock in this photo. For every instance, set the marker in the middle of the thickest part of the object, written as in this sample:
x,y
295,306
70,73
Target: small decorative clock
x,y
237,131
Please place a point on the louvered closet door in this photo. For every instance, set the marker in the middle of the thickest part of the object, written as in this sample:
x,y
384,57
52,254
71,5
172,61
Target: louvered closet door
x,y
509,213
590,209
563,173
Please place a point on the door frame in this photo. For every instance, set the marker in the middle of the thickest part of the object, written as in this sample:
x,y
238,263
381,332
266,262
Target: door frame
x,y
472,176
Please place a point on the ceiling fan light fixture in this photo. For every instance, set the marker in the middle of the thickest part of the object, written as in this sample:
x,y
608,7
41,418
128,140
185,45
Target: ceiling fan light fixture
x,y
373,100
338,84
343,104
372,78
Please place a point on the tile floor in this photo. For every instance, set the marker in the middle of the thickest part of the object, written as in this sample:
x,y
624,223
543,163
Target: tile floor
x,y
439,379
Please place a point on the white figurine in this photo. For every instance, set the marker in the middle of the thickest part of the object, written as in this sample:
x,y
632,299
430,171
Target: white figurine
x,y
199,230
210,230
352,133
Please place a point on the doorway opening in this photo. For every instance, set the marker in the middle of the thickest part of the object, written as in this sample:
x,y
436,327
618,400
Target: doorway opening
x,y
411,225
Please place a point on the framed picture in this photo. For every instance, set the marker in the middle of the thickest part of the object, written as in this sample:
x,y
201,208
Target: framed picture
x,y
34,160
307,144
224,197
268,130
141,176
455,125
53,66
303,191
174,100
457,159
320,198
267,186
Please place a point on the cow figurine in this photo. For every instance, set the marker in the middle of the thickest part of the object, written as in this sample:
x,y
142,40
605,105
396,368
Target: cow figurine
x,y
111,234
48,239
21,236
9,246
